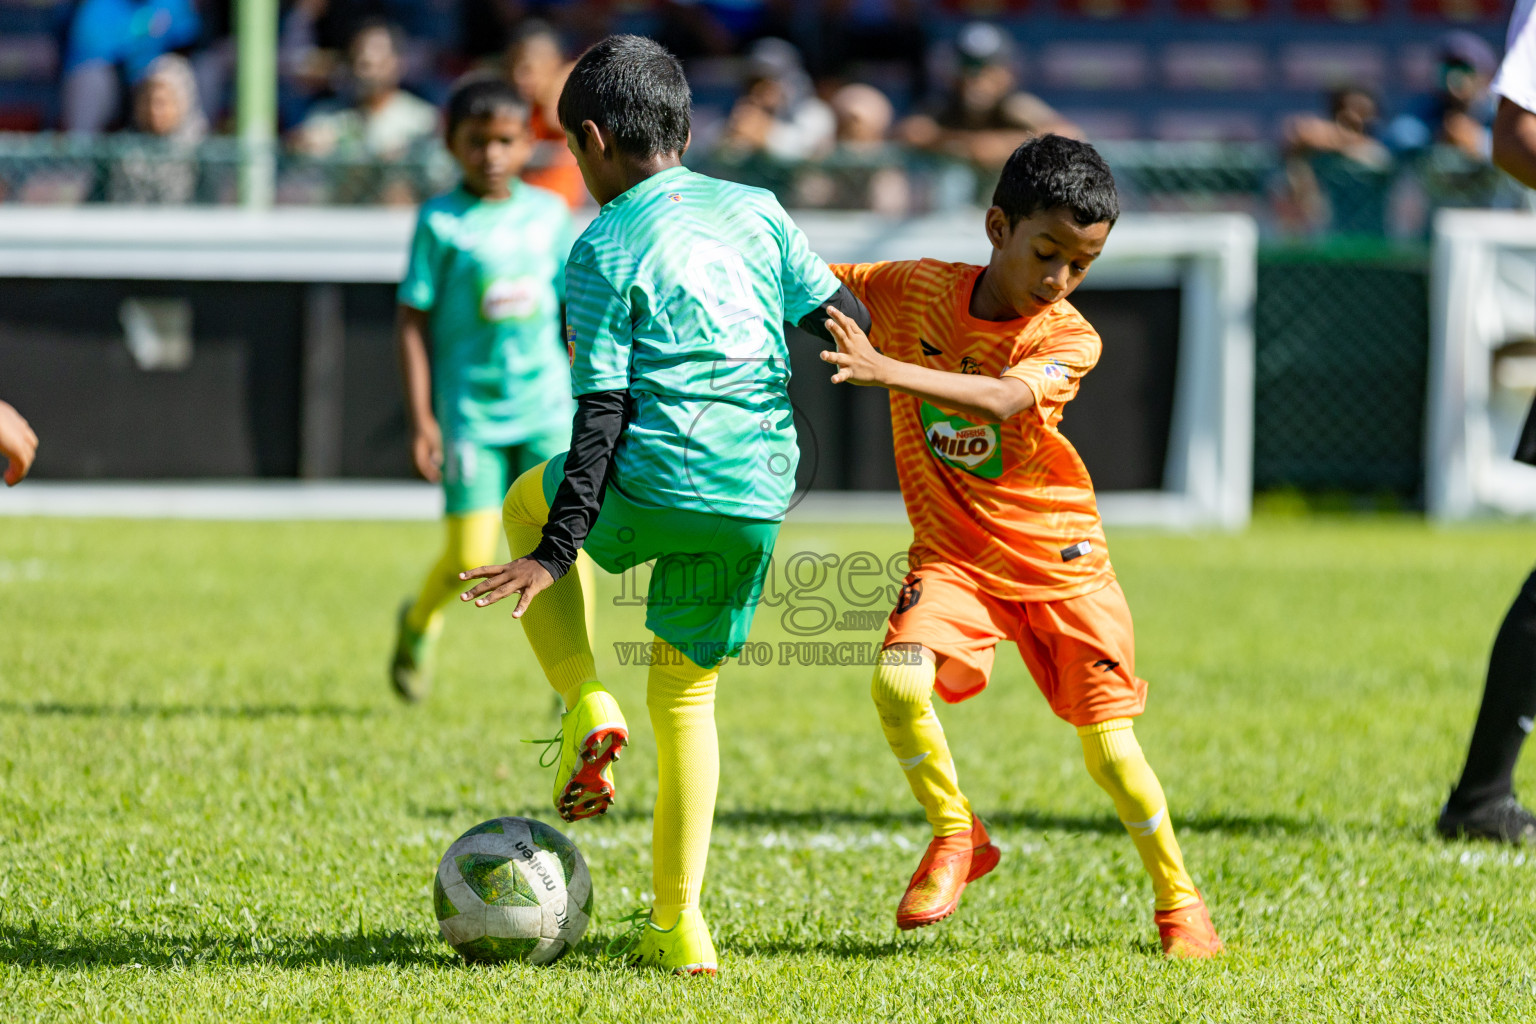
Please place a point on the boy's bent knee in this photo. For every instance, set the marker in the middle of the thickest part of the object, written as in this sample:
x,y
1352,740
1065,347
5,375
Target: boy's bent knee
x,y
903,676
1111,752
675,679
525,504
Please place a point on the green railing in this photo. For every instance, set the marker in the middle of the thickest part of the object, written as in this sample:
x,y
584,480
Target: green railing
x,y
64,169
1156,176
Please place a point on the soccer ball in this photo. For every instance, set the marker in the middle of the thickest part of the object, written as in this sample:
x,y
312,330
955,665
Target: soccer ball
x,y
512,889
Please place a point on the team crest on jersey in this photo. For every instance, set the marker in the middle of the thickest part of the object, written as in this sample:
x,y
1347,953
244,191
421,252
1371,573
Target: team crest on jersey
x,y
676,197
974,447
1055,371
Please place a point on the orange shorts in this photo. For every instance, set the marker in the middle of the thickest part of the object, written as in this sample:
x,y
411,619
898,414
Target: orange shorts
x,y
1081,651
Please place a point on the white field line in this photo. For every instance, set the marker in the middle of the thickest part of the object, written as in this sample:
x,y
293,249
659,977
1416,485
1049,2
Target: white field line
x,y
398,500
332,500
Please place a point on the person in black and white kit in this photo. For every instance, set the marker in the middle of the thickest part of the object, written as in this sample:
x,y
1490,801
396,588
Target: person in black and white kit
x,y
1483,804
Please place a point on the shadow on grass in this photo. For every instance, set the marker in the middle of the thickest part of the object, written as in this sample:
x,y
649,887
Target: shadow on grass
x,y
1227,824
849,948
137,710
24,947
913,945
593,950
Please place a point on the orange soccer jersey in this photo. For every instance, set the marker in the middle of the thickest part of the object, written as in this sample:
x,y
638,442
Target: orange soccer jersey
x,y
1011,503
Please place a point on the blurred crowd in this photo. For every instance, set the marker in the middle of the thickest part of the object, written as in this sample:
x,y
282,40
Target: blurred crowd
x,y
840,104
1339,166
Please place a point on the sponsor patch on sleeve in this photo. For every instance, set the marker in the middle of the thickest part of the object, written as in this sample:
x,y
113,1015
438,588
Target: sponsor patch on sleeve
x,y
1077,550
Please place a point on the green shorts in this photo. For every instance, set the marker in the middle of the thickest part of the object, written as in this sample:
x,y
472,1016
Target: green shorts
x,y
476,476
708,574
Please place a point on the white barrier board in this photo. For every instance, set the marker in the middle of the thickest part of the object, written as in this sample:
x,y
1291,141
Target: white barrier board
x,y
1210,257
1482,364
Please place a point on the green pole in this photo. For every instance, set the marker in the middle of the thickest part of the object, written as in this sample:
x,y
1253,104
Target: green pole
x,y
256,99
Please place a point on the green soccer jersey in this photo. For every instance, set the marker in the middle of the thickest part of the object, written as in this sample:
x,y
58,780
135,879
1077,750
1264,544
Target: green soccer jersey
x,y
490,275
678,292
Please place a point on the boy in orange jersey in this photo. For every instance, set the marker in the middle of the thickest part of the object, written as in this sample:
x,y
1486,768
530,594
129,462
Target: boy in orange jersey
x,y
1007,541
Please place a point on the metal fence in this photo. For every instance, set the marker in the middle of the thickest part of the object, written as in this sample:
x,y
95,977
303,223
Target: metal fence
x,y
1341,362
56,169
1255,178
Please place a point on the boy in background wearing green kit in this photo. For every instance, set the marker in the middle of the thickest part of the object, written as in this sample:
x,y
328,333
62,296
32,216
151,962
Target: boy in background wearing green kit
x,y
487,378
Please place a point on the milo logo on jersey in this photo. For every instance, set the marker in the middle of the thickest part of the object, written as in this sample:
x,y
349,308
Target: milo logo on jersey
x,y
974,447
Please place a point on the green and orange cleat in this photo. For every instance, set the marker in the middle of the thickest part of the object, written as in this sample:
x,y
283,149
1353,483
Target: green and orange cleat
x,y
592,736
1187,933
950,863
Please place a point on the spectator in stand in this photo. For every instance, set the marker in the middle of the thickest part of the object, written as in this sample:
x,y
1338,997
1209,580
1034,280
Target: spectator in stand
x,y
536,66
1459,116
1447,139
380,119
779,114
1347,130
1336,169
168,118
305,68
864,117
114,41
863,170
984,116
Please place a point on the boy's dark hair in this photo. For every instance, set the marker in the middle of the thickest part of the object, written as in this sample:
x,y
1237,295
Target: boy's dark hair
x,y
1053,170
482,97
634,89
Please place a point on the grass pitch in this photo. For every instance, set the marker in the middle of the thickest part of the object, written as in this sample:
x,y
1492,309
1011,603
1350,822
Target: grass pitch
x,y
211,807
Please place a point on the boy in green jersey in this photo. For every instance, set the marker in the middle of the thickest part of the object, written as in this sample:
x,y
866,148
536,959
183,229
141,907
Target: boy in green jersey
x,y
486,375
683,452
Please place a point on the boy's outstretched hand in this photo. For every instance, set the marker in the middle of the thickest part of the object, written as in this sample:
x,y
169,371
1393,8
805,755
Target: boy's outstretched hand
x,y
18,444
856,360
523,577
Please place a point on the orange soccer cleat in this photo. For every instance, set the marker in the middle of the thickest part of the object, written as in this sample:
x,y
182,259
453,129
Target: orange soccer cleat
x,y
948,865
1187,933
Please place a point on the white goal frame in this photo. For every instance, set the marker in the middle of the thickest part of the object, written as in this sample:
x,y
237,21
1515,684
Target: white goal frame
x,y
1482,294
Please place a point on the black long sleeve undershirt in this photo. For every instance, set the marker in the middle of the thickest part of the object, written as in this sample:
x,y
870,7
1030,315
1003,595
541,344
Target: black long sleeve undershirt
x,y
600,420
814,323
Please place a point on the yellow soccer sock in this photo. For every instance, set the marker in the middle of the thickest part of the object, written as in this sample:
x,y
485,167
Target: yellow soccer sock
x,y
1116,763
903,694
471,541
681,698
559,621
